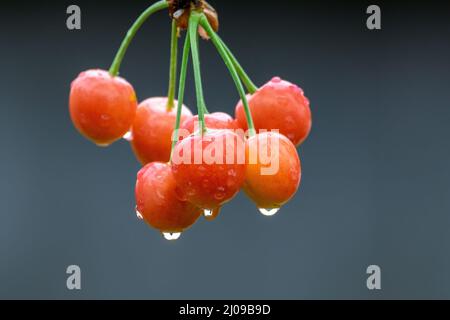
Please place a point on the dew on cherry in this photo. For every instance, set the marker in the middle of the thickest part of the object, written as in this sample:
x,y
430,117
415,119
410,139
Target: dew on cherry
x,y
208,213
276,80
160,195
139,215
220,194
128,136
232,173
269,212
103,145
171,236
205,183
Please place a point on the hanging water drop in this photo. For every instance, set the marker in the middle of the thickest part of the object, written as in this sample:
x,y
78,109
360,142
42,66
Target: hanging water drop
x,y
208,213
103,145
128,136
170,236
269,212
211,215
139,215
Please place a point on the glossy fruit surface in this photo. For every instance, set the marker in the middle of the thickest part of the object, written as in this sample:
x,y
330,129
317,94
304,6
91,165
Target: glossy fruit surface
x,y
210,169
273,170
217,120
279,105
152,130
102,107
158,202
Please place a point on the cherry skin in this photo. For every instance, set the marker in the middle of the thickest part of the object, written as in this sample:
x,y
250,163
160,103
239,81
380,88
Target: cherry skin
x,y
153,126
217,120
102,107
207,167
273,171
158,201
279,105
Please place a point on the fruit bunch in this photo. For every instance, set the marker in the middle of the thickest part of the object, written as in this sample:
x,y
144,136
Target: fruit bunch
x,y
194,165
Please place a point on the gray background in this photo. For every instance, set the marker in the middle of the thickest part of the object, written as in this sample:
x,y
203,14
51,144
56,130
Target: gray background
x,y
375,181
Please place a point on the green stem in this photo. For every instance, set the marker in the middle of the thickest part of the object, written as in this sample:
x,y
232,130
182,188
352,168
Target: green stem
x,y
158,6
173,66
228,62
249,84
193,32
183,74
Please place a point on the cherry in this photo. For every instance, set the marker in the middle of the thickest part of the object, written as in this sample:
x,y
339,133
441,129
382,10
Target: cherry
x,y
153,128
217,120
279,105
273,171
208,169
158,201
102,107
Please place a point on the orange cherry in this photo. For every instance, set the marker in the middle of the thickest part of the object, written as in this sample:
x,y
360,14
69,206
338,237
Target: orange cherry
x,y
102,107
279,105
152,130
159,204
273,171
207,167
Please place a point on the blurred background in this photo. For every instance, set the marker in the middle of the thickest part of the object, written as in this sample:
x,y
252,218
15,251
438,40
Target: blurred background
x,y
376,183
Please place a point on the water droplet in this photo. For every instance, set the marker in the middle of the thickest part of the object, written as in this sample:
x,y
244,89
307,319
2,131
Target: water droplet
x,y
276,79
208,213
269,212
307,101
211,215
128,136
138,214
103,145
178,13
191,192
171,236
232,173
220,194
160,195
205,184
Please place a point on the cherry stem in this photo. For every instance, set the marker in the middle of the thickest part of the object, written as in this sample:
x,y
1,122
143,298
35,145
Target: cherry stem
x,y
193,33
183,74
158,6
173,66
234,74
249,84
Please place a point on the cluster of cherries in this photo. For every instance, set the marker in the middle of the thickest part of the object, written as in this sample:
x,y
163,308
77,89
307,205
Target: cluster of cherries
x,y
172,194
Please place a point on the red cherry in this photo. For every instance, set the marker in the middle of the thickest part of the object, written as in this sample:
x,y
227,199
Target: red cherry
x,y
102,107
210,169
158,202
217,120
153,128
279,105
273,171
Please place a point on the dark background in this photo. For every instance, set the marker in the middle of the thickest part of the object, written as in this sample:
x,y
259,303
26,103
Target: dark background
x,y
375,184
